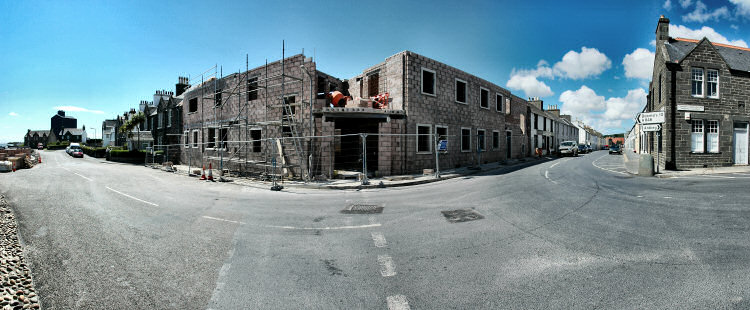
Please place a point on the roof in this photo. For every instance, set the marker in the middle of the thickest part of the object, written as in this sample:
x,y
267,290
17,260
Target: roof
x,y
38,132
73,131
738,58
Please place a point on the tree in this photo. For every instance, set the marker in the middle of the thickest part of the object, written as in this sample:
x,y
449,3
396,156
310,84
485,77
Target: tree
x,y
132,123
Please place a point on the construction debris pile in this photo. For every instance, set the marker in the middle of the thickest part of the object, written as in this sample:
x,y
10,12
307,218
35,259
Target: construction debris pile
x,y
16,286
11,160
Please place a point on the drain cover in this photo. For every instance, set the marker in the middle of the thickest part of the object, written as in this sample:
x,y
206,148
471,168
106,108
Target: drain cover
x,y
462,215
363,208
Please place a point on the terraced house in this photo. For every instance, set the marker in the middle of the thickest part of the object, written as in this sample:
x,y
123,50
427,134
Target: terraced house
x,y
703,88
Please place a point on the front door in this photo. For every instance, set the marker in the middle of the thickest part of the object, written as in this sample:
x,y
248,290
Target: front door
x,y
740,143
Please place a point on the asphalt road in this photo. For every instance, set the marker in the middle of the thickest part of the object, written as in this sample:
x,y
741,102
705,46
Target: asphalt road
x,y
566,233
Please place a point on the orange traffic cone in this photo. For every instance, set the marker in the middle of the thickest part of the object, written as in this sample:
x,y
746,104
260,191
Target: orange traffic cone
x,y
210,173
14,167
203,175
40,159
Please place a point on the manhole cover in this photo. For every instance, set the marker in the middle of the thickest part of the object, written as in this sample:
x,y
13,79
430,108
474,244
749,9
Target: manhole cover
x,y
462,215
363,208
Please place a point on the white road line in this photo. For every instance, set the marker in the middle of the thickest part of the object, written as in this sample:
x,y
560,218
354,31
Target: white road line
x,y
131,197
595,165
546,175
379,239
326,228
397,302
387,268
667,197
223,220
719,176
82,176
557,163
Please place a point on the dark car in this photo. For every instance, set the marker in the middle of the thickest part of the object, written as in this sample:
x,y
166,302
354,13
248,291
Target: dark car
x,y
582,149
615,149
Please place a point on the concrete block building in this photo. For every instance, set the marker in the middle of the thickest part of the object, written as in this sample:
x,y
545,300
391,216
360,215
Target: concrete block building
x,y
703,88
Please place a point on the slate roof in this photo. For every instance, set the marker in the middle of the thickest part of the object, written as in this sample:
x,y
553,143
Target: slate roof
x,y
738,58
39,132
73,131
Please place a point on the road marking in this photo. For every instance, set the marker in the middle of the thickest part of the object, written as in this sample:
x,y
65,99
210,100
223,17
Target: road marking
x,y
387,268
131,197
546,175
326,228
83,176
397,302
223,220
718,176
639,196
605,155
557,163
379,239
667,197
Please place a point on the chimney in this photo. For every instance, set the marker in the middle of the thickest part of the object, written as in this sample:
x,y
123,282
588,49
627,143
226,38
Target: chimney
x,y
535,101
181,86
554,110
61,113
662,29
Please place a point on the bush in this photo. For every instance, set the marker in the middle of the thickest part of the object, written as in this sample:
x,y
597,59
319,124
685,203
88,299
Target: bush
x,y
94,151
58,145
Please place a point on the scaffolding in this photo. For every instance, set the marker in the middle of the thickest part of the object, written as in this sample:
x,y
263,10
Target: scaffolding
x,y
282,146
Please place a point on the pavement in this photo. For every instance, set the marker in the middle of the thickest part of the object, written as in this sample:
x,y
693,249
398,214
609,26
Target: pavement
x,y
630,161
561,234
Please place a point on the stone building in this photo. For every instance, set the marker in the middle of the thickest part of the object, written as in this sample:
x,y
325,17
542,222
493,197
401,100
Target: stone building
x,y
59,121
389,118
703,89
34,137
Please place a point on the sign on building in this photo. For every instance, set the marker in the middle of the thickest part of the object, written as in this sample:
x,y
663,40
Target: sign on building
x,y
651,118
689,107
651,127
443,145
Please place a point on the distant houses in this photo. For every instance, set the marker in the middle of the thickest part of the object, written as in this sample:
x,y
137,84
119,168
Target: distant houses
x,y
62,128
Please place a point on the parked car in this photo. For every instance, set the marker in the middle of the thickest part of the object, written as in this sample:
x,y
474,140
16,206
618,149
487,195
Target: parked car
x,y
615,149
76,151
605,147
568,148
582,148
40,146
589,149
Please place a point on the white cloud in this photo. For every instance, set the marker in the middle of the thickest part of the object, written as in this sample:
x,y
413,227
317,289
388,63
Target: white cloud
x,y
735,27
13,114
679,31
530,85
639,64
668,5
603,115
589,62
743,7
685,3
701,15
69,108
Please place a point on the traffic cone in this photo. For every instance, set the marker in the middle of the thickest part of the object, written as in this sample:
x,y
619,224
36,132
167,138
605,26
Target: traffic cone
x,y
14,167
210,173
40,158
203,175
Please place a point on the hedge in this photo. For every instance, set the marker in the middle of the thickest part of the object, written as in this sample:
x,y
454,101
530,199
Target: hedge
x,y
94,151
58,145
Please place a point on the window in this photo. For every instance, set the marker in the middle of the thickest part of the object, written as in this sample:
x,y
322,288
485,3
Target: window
x,y
252,88
195,138
484,98
460,91
697,82
161,119
211,138
217,98
424,135
481,140
322,87
660,82
712,136
256,137
186,136
169,118
428,82
544,123
193,105
223,135
442,132
696,136
495,140
535,120
498,102
712,83
465,140
373,81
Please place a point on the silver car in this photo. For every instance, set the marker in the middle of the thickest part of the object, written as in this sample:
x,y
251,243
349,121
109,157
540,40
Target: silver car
x,y
568,148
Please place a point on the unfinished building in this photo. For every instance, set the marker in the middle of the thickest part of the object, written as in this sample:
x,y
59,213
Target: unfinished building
x,y
288,119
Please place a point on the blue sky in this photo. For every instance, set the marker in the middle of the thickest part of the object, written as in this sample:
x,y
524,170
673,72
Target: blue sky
x,y
98,59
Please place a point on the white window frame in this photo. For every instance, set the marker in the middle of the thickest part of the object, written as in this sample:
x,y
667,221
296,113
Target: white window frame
x,y
709,81
495,148
484,142
712,136
462,140
434,81
196,134
480,97
429,139
701,134
446,134
499,103
187,138
466,91
694,80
